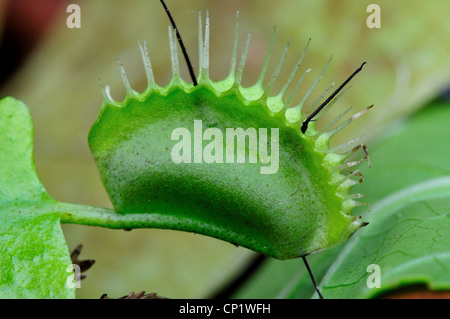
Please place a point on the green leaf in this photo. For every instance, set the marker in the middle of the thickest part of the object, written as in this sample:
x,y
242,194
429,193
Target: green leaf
x,y
415,151
409,231
35,257
409,223
18,177
407,238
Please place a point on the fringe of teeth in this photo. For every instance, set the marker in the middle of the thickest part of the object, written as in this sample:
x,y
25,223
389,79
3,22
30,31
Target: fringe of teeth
x,y
293,114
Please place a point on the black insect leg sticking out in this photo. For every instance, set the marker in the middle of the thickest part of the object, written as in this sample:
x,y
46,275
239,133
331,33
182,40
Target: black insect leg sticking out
x,y
310,118
183,48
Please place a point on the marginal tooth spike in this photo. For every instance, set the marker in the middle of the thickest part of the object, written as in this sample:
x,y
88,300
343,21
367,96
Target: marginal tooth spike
x,y
293,114
350,164
147,64
347,122
102,88
106,92
297,86
331,97
205,55
361,178
341,146
240,69
294,72
311,89
182,47
200,45
350,204
330,104
317,101
355,196
366,152
348,177
125,81
106,96
262,76
353,151
235,47
356,204
277,69
174,55
331,124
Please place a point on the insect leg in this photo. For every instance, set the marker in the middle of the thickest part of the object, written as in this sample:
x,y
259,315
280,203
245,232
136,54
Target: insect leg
x,y
183,49
312,277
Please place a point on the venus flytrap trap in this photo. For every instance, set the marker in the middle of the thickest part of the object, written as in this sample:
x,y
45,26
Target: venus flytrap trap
x,y
177,157
301,207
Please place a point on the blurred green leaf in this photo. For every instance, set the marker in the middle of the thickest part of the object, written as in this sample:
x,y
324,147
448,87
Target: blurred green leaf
x,y
409,226
412,151
407,238
35,257
409,223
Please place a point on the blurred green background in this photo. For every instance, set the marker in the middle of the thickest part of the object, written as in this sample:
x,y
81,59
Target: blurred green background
x,y
55,71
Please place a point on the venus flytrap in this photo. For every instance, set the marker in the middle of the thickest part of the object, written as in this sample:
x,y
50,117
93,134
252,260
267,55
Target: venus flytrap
x,y
301,207
284,194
